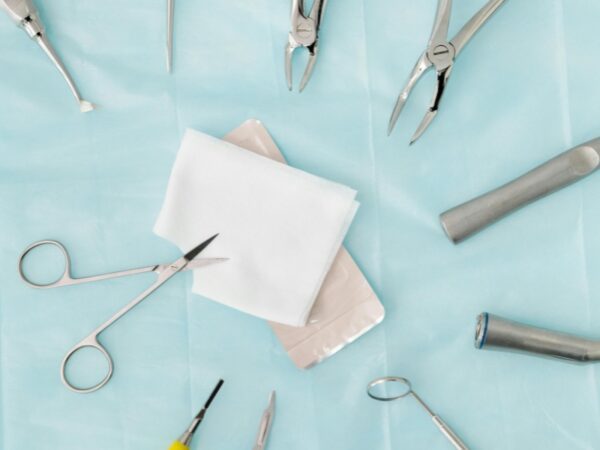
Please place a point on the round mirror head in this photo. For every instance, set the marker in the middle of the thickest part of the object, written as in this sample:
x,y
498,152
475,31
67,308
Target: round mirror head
x,y
387,389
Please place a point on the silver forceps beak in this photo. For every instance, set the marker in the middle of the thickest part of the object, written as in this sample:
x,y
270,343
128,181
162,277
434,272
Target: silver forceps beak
x,y
440,54
24,14
304,33
170,21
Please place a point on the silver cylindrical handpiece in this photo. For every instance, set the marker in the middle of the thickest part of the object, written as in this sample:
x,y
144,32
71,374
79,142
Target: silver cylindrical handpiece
x,y
495,332
465,220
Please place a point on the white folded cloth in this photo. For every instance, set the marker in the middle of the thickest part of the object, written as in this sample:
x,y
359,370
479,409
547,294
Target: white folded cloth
x,y
280,227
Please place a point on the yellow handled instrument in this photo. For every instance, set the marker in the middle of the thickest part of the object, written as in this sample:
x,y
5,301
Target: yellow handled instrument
x,y
183,443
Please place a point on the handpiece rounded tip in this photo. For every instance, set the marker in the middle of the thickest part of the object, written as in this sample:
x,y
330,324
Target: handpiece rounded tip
x,y
481,330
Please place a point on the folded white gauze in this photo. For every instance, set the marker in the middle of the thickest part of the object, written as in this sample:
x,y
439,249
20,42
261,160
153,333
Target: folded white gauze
x,y
280,227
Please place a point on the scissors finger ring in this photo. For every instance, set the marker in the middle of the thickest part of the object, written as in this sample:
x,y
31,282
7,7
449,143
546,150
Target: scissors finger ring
x,y
89,342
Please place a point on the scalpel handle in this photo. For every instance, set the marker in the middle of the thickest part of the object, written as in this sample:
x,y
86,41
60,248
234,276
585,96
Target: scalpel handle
x,y
465,220
450,435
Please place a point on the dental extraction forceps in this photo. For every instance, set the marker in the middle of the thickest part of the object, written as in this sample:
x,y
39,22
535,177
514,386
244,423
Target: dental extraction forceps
x,y
440,54
164,272
304,33
437,420
25,14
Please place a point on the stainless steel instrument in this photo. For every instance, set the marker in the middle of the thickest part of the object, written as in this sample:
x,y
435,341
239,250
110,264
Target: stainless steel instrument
x,y
498,333
170,23
163,271
465,220
304,33
25,14
440,54
265,424
385,390
184,441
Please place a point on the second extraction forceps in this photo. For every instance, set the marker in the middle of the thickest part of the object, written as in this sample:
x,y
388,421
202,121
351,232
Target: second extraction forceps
x,y
24,14
440,54
164,273
304,33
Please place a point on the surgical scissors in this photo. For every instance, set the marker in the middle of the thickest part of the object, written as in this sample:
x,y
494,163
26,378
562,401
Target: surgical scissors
x,y
304,33
441,54
437,420
164,272
25,14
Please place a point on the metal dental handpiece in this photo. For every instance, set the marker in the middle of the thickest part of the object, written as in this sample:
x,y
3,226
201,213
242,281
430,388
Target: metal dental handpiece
x,y
465,220
496,332
24,14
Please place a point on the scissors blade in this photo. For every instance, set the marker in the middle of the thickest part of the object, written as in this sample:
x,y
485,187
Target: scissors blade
x,y
189,256
191,262
203,262
265,423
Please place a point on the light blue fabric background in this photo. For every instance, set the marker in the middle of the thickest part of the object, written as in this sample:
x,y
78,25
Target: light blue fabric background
x,y
524,90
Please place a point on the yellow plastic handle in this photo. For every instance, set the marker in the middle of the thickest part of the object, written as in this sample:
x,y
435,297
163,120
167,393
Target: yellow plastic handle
x,y
178,446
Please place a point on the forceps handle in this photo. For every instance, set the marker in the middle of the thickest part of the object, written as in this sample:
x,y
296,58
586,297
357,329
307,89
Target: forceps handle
x,y
465,220
450,435
472,27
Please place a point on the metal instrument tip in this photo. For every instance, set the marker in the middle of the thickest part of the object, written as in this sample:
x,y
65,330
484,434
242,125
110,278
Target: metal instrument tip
x,y
213,394
85,106
195,251
272,398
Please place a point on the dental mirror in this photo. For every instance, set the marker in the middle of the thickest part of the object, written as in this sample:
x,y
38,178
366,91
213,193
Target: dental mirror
x,y
387,389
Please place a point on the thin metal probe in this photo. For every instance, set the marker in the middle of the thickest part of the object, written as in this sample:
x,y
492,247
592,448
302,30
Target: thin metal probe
x,y
25,15
170,21
188,434
44,43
